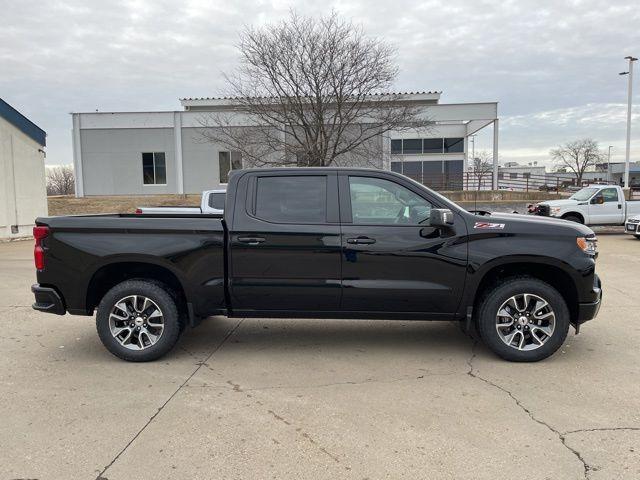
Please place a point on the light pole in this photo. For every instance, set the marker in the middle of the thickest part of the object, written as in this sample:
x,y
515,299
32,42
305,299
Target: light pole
x,y
629,94
609,164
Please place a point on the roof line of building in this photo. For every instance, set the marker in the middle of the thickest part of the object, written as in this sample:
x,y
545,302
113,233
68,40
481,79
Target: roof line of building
x,y
22,123
381,94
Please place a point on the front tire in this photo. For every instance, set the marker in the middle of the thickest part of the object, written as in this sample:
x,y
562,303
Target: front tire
x,y
523,319
138,321
573,218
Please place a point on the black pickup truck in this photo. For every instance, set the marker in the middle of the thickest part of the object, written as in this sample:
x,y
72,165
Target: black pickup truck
x,y
320,243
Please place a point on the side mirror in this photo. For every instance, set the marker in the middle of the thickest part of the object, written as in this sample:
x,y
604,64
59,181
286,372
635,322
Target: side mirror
x,y
440,217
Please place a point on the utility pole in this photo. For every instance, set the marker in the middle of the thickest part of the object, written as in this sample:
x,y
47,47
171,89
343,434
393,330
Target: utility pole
x,y
609,164
629,97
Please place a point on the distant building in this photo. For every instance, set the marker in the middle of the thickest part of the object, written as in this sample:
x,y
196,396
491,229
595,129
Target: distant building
x,y
124,153
521,177
22,176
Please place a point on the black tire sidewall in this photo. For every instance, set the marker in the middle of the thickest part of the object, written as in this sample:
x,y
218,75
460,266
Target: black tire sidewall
x,y
161,297
494,299
572,218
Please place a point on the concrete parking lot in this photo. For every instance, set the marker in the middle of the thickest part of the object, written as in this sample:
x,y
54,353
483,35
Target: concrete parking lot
x,y
319,399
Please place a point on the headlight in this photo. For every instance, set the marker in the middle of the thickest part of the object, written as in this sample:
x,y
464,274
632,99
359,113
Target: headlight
x,y
588,245
554,210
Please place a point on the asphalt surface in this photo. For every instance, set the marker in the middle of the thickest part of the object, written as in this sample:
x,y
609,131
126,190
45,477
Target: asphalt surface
x,y
318,399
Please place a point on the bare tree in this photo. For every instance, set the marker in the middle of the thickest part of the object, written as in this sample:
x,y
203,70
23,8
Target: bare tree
x,y
577,156
60,180
310,91
482,166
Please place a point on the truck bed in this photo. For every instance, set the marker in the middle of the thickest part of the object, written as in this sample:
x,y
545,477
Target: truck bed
x,y
188,248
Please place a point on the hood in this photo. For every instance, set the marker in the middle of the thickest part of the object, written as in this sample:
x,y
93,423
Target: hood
x,y
560,203
514,220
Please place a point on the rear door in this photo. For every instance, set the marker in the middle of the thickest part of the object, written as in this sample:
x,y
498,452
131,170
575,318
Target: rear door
x,y
606,207
285,242
393,260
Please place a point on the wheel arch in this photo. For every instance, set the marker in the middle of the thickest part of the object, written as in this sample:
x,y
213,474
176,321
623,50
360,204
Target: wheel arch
x,y
549,273
111,274
574,214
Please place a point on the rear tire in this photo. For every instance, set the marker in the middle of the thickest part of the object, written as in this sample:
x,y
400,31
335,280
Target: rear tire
x,y
528,329
138,321
572,218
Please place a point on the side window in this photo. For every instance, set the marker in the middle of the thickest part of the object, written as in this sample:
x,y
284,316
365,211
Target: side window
x,y
609,194
216,200
376,201
292,199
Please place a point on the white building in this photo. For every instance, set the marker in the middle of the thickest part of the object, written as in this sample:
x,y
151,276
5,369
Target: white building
x,y
23,194
124,153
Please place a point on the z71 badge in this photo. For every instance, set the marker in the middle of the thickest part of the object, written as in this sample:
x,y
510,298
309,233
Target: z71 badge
x,y
489,226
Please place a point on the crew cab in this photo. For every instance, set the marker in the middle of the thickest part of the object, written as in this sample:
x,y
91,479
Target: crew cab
x,y
592,205
320,243
212,202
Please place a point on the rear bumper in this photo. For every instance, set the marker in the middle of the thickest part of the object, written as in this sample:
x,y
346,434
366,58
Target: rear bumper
x,y
47,300
588,311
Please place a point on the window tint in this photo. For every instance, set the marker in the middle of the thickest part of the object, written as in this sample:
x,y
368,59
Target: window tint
x,y
609,194
412,145
383,202
154,168
224,165
293,199
453,145
432,145
216,200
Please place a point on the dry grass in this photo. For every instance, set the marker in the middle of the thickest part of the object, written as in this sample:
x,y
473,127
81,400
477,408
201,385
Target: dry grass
x,y
69,205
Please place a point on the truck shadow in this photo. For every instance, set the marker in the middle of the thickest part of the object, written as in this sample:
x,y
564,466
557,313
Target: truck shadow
x,y
260,336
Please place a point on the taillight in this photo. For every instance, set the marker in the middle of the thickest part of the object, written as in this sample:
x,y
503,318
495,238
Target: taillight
x,y
138,211
39,233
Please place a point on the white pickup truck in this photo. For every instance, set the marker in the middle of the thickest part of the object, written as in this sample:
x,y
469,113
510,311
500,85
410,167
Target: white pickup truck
x,y
212,202
593,205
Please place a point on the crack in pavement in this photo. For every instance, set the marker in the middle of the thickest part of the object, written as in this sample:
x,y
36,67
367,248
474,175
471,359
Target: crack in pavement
x,y
587,468
289,423
115,459
603,429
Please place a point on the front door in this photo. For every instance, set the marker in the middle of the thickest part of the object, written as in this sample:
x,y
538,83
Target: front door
x,y
605,208
392,260
285,248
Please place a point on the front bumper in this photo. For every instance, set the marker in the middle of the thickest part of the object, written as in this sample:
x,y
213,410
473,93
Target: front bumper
x,y
588,311
632,228
47,300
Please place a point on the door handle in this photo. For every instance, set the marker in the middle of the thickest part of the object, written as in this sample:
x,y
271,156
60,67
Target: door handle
x,y
361,241
619,206
251,240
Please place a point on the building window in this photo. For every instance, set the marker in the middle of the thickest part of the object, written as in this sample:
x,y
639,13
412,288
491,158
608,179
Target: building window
x,y
154,168
500,176
526,175
513,175
228,161
412,145
396,147
432,145
453,145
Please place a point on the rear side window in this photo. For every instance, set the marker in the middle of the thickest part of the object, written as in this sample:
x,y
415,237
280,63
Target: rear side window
x,y
216,200
292,199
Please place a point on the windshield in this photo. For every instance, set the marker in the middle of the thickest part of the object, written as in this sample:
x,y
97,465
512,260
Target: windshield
x,y
584,194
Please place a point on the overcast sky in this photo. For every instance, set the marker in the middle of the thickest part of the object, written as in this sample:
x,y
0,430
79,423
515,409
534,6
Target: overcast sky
x,y
552,65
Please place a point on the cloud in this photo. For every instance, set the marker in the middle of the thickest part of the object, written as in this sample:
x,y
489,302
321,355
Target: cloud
x,y
552,65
